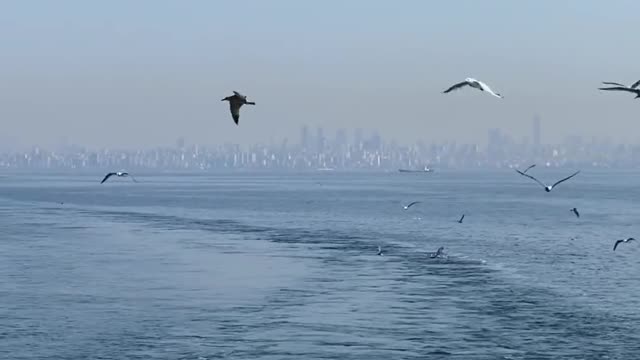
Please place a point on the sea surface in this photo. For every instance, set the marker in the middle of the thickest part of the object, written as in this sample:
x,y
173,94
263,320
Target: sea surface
x,y
284,266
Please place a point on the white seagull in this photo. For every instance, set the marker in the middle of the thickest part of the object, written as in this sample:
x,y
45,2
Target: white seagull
x,y
622,241
235,103
118,174
475,84
548,188
406,207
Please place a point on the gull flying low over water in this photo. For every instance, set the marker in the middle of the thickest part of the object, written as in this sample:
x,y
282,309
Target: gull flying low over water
x,y
380,251
474,84
235,103
406,207
622,241
462,218
118,174
575,211
438,253
548,188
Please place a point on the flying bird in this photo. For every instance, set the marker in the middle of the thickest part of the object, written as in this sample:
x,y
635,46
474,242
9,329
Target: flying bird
x,y
529,168
575,211
632,90
548,188
622,241
475,84
462,218
380,251
235,103
635,84
411,204
438,253
118,174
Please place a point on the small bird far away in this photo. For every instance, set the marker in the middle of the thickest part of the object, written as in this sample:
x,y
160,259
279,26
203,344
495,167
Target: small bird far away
x,y
477,84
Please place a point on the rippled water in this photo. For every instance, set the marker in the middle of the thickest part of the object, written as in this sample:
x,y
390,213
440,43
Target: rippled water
x,y
256,266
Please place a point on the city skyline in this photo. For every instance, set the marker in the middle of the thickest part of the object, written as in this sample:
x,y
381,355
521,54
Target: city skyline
x,y
343,150
535,137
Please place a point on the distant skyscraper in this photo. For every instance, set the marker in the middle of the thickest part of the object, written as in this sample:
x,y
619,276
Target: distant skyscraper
x,y
494,144
536,132
357,137
320,139
304,137
341,138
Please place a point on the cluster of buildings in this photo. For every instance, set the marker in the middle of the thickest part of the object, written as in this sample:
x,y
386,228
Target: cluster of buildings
x,y
315,151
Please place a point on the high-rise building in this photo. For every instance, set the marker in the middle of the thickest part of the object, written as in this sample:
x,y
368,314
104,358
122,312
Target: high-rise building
x,y
304,137
320,139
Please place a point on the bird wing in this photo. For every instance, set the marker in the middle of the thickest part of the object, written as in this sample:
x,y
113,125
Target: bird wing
x,y
529,168
567,178
619,88
635,84
532,178
413,203
107,176
239,95
462,218
612,83
132,178
577,213
235,106
456,86
616,244
486,88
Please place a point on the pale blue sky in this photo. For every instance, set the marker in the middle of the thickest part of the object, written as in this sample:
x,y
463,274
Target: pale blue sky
x,y
128,72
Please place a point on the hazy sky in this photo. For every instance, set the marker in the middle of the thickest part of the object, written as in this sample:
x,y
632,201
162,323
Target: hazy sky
x,y
146,72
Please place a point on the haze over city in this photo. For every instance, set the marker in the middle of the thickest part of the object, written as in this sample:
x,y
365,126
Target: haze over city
x,y
141,74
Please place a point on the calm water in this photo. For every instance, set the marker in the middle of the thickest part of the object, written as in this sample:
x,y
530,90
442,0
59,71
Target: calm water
x,y
255,266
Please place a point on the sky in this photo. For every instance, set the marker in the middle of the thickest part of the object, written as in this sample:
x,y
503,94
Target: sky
x,y
143,73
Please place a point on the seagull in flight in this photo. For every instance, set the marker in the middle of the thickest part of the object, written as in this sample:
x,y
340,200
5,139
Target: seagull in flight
x,y
118,174
635,84
548,188
622,241
462,218
406,207
235,103
619,87
380,251
529,168
438,253
475,84
575,211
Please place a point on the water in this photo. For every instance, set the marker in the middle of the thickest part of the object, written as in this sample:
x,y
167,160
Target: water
x,y
266,266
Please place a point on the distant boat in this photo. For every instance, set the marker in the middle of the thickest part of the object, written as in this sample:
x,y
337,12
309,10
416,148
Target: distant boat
x,y
425,170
